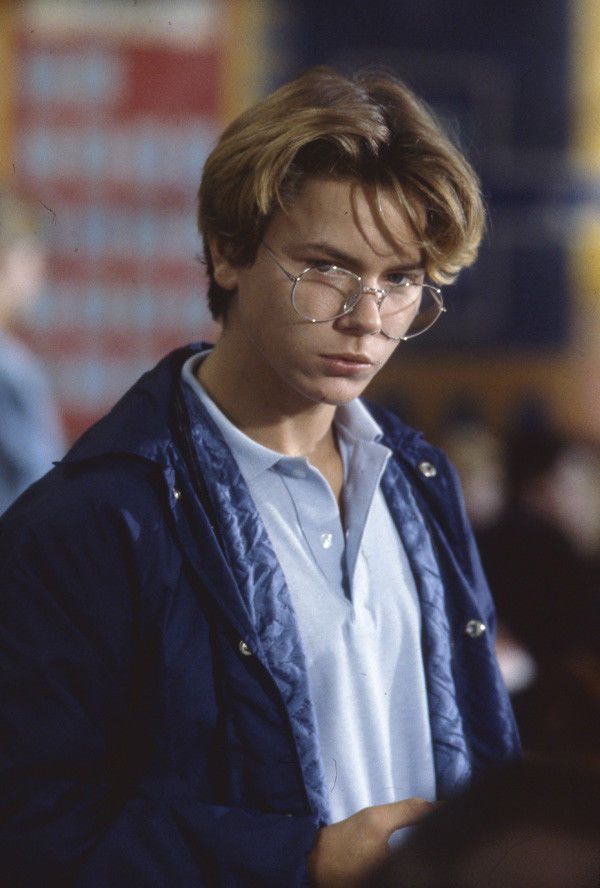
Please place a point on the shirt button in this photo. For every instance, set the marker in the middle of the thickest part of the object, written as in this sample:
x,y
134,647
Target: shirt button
x,y
427,469
176,493
298,472
327,540
475,628
244,649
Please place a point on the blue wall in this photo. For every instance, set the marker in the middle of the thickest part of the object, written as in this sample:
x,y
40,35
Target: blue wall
x,y
499,75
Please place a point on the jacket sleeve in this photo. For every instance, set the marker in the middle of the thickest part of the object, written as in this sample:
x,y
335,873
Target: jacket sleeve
x,y
75,810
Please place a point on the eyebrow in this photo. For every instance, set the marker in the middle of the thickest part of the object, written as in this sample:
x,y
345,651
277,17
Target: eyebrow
x,y
346,260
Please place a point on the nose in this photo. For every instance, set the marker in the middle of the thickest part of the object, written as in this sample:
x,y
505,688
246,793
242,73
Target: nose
x,y
364,319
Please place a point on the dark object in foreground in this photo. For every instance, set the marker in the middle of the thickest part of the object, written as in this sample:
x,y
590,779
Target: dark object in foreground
x,y
531,824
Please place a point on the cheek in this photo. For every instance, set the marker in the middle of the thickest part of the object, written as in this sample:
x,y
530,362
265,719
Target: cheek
x,y
264,307
273,333
292,343
273,320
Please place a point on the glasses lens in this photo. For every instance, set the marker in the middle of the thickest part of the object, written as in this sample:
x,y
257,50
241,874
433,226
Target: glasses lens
x,y
324,295
408,311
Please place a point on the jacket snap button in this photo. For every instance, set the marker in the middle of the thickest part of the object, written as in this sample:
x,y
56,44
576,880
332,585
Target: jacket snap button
x,y
475,628
244,649
427,469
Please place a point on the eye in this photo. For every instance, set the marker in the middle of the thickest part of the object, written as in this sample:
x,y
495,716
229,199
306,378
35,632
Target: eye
x,y
321,265
405,278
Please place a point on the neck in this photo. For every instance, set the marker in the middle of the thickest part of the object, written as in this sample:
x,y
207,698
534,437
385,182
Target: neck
x,y
257,403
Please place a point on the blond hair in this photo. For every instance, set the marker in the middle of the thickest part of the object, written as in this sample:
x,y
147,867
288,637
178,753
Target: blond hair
x,y
371,129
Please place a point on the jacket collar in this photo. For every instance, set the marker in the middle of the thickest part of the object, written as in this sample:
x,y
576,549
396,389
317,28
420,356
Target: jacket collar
x,y
140,423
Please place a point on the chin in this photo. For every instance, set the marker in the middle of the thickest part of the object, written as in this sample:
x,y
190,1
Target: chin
x,y
339,396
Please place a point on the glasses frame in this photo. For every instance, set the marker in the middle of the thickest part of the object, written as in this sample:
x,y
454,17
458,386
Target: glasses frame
x,y
379,294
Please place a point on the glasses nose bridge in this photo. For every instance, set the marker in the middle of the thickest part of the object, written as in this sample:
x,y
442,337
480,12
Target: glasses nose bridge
x,y
353,309
377,292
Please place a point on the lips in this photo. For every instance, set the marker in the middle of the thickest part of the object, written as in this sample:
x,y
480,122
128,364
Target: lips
x,y
350,358
351,365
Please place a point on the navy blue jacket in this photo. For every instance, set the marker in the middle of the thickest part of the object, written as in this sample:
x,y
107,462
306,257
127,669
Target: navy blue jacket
x,y
156,726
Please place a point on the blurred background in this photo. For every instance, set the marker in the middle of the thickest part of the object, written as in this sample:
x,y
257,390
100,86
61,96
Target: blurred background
x,y
107,112
109,108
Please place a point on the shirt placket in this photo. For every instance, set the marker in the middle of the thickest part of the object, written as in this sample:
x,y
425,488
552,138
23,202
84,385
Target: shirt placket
x,y
318,517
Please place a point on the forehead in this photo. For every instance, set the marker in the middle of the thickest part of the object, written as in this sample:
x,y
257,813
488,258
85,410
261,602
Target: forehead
x,y
350,216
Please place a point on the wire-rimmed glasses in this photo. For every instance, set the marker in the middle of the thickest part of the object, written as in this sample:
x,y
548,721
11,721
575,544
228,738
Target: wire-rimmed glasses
x,y
321,294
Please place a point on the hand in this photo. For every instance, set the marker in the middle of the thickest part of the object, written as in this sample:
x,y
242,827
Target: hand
x,y
345,852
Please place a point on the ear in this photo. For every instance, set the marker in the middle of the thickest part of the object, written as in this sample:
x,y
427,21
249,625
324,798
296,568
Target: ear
x,y
224,272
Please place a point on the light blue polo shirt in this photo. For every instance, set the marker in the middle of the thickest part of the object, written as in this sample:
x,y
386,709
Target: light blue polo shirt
x,y
357,609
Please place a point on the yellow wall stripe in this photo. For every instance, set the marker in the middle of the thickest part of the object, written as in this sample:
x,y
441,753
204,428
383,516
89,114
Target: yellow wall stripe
x,y
585,49
585,238
7,65
246,58
585,147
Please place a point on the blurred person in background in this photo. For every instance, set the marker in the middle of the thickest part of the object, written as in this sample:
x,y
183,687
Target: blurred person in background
x,y
477,452
30,431
540,558
246,632
533,824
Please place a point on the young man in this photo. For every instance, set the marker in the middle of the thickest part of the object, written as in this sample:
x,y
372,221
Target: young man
x,y
247,636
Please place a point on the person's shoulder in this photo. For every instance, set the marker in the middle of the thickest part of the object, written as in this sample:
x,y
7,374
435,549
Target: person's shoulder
x,y
114,474
85,536
20,370
80,504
